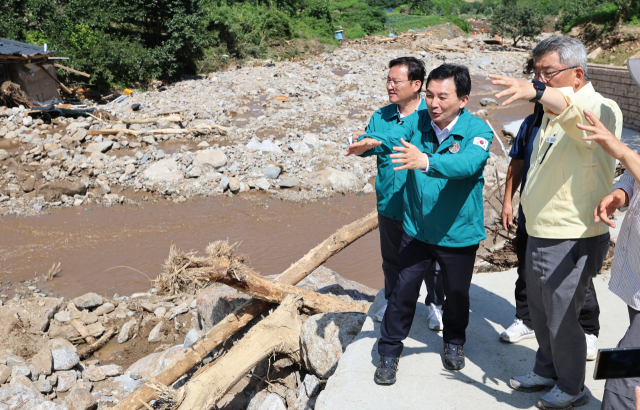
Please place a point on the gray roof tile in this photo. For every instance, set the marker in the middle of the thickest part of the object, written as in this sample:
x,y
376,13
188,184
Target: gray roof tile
x,y
11,47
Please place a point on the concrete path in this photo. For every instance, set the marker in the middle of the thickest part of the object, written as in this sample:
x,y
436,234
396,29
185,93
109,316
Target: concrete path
x,y
483,384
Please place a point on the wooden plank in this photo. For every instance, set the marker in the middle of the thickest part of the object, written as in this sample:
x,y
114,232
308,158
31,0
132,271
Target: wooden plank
x,y
71,69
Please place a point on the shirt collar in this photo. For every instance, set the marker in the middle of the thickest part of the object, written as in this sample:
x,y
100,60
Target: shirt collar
x,y
443,134
402,117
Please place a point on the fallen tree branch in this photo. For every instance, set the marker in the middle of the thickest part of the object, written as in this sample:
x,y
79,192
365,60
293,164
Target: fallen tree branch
x,y
251,309
170,118
97,345
278,333
244,279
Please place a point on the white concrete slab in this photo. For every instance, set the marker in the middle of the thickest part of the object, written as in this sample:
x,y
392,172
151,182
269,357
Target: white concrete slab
x,y
482,384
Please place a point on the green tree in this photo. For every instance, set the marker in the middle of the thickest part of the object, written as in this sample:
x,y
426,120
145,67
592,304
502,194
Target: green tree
x,y
517,22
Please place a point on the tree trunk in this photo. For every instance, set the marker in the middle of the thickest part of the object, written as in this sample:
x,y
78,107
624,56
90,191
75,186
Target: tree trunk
x,y
245,313
278,333
97,345
244,279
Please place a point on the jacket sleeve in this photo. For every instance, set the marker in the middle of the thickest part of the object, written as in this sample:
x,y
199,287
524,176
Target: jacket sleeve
x,y
391,137
607,112
371,127
465,163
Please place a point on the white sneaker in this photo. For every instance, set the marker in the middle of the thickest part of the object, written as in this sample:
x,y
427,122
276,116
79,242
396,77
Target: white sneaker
x,y
592,347
530,382
557,399
435,317
380,313
516,332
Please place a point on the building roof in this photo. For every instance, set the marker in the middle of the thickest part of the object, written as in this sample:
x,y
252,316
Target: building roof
x,y
11,47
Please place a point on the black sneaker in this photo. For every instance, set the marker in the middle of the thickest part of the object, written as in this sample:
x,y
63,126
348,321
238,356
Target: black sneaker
x,y
386,371
453,356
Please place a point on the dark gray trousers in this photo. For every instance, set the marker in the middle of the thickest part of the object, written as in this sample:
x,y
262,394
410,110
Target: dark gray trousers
x,y
558,273
619,394
390,237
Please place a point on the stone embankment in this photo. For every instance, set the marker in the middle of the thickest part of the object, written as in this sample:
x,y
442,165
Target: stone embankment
x,y
279,128
42,365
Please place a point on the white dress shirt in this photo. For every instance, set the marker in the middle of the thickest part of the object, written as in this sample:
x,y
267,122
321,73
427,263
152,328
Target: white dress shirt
x,y
441,135
625,271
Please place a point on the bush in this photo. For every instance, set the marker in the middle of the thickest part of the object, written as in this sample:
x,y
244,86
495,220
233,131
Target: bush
x,y
516,21
354,32
457,21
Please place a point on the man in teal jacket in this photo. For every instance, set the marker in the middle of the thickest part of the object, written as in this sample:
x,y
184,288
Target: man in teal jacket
x,y
443,214
404,83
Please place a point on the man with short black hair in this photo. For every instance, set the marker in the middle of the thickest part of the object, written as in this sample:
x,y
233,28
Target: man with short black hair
x,y
404,83
443,217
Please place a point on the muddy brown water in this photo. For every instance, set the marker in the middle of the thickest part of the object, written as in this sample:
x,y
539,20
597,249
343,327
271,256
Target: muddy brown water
x,y
114,250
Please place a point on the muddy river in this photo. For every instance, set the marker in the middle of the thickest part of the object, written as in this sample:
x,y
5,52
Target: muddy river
x,y
119,249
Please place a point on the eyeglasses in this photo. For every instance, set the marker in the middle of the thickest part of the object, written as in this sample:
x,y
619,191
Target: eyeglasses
x,y
395,83
549,76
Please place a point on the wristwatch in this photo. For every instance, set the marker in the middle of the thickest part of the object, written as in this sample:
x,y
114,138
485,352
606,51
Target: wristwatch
x,y
540,87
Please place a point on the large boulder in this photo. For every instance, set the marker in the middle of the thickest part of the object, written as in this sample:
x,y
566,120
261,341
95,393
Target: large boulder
x,y
66,380
80,399
266,401
55,190
331,178
210,157
25,382
325,337
326,281
20,398
154,363
64,359
311,140
103,146
43,361
166,170
307,393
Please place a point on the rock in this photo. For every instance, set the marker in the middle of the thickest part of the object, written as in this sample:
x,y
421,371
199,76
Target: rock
x,y
166,170
27,121
289,182
80,135
88,301
216,302
80,399
23,381
254,145
214,158
262,184
94,374
104,309
234,185
149,140
483,62
103,146
368,189
85,385
95,329
312,141
156,334
488,101
64,359
160,311
19,398
594,54
64,332
126,332
300,148
194,172
7,357
511,129
337,180
60,343
307,392
53,379
178,310
272,172
324,280
29,185
66,380
4,154
270,146
481,113
191,338
43,361
224,183
154,363
76,125
324,338
56,189
20,370
111,370
63,317
5,373
270,401
43,386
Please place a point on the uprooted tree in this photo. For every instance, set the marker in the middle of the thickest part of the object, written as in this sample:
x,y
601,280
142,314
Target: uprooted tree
x,y
517,21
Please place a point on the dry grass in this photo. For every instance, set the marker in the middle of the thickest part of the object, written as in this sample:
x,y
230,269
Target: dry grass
x,y
179,275
167,399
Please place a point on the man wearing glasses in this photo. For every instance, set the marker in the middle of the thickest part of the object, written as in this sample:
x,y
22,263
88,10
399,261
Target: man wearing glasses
x,y
517,175
566,247
404,83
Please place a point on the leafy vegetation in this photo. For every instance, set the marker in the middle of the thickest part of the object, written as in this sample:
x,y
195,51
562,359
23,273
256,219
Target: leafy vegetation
x,y
517,21
609,13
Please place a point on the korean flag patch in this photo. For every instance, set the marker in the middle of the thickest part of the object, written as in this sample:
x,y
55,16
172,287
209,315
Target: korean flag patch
x,y
483,143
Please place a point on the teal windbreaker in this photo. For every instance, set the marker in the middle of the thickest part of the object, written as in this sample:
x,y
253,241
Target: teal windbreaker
x,y
444,206
389,183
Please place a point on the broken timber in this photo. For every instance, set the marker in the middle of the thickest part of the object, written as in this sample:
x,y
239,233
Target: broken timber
x,y
248,311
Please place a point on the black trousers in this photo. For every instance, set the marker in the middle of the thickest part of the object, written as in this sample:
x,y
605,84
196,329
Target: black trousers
x,y
390,237
456,265
590,313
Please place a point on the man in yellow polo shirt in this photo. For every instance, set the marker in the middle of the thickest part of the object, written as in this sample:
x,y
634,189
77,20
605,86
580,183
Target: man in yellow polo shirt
x,y
567,178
